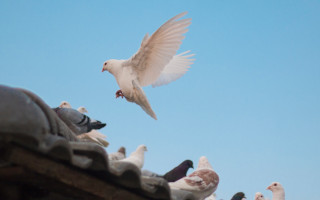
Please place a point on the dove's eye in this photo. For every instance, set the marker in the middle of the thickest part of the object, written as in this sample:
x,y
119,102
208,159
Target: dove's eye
x,y
105,63
275,184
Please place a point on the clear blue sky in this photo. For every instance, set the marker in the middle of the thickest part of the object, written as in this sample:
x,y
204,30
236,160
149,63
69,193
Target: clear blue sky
x,y
250,102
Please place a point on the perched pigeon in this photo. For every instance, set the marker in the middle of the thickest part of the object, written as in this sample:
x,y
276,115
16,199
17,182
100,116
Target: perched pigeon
x,y
96,137
82,109
202,182
259,196
136,157
173,175
277,191
76,121
65,104
155,63
239,196
178,172
119,155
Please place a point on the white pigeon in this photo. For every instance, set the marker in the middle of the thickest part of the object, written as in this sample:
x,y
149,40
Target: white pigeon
x,y
202,182
82,109
65,104
96,137
119,155
136,157
259,196
155,63
277,191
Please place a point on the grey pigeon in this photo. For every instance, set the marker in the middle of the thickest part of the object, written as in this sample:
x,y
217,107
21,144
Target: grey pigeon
x,y
239,196
76,121
173,175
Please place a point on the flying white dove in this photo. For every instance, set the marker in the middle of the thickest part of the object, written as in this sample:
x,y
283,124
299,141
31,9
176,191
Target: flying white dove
x,y
136,157
259,196
202,182
65,104
277,191
119,155
154,64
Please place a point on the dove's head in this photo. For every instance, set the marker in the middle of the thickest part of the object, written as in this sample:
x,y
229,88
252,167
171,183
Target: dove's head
x,y
111,65
82,109
259,196
275,187
65,104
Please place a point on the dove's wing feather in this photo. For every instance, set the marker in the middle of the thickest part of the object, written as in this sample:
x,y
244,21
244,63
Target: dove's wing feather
x,y
175,69
157,50
142,101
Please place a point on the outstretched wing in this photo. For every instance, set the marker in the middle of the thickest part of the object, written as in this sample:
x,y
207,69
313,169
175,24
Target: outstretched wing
x,y
175,69
157,50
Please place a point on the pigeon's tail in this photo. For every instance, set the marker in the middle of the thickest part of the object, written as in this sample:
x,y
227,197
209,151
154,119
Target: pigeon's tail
x,y
97,125
142,100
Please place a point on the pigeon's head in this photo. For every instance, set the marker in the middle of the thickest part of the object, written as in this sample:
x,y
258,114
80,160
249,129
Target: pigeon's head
x,y
82,109
142,148
188,163
204,163
65,104
239,196
259,196
122,150
275,186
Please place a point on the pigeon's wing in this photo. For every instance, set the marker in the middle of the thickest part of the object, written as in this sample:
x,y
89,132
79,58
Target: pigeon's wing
x,y
175,69
116,156
142,101
157,50
188,183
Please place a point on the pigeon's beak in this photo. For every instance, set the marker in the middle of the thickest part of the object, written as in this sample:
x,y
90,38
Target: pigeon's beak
x,y
268,188
103,69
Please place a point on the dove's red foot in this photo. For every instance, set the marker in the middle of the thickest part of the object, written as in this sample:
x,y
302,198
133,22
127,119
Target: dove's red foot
x,y
119,94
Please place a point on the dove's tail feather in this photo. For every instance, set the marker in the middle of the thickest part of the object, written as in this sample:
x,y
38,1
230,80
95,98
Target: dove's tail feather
x,y
142,101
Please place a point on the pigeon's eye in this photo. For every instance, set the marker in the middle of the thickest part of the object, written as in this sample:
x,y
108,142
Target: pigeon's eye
x,y
275,184
105,63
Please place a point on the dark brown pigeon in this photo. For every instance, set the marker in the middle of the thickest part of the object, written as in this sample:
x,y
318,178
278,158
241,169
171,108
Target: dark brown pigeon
x,y
178,172
238,196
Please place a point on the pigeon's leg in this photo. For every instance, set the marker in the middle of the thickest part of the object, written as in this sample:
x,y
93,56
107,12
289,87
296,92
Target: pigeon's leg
x,y
119,94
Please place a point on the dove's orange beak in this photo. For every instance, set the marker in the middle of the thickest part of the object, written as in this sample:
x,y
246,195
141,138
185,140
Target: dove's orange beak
x,y
268,188
103,70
